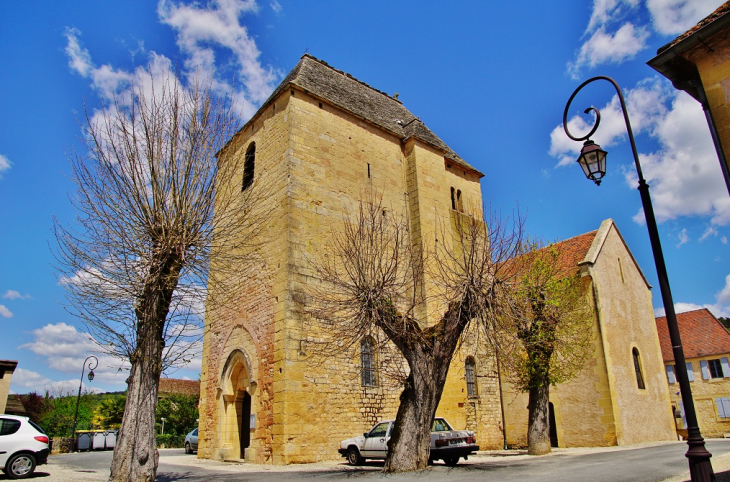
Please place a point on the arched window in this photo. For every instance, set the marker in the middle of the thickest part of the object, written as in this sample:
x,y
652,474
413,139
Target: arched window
x,y
367,362
249,161
637,369
471,386
459,205
453,199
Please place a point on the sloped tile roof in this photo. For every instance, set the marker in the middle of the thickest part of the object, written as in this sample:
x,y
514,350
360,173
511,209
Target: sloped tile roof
x,y
573,251
701,333
721,11
318,78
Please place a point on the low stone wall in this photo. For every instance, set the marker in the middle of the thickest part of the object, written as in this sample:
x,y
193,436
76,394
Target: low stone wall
x,y
62,445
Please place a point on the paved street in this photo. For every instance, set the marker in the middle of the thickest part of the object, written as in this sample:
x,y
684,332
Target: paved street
x,y
644,464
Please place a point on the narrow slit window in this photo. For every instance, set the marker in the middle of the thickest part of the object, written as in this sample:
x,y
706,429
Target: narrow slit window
x,y
637,369
368,170
621,270
459,205
367,362
249,162
471,387
453,199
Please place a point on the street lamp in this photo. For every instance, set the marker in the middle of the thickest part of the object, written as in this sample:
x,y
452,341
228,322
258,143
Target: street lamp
x,y
593,162
95,362
162,431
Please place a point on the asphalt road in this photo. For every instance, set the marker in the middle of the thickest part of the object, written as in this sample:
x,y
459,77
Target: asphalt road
x,y
647,464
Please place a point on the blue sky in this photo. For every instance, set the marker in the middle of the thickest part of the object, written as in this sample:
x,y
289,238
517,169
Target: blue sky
x,y
490,78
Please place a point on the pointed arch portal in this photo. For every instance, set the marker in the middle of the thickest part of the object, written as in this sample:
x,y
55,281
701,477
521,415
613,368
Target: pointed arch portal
x,y
236,386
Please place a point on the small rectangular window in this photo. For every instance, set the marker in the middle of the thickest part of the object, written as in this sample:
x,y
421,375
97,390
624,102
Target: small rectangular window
x,y
715,368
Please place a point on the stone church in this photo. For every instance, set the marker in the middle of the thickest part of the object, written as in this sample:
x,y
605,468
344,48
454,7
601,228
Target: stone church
x,y
324,141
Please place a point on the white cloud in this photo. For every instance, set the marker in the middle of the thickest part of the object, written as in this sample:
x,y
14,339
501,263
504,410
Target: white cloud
x,y
79,58
724,240
672,17
275,6
683,237
711,231
65,349
604,47
723,296
684,173
15,295
721,307
5,312
5,164
645,104
27,381
202,29
202,34
606,10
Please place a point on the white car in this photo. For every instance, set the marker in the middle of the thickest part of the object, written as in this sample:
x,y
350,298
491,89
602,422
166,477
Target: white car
x,y
191,442
446,444
23,445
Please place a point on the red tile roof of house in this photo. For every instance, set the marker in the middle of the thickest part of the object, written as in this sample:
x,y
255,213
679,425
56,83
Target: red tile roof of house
x,y
178,386
702,335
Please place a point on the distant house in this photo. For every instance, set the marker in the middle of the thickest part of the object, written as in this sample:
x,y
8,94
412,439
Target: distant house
x,y
706,346
621,396
176,386
7,367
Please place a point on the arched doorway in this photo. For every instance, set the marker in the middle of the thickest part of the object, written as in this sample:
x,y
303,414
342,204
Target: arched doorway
x,y
236,385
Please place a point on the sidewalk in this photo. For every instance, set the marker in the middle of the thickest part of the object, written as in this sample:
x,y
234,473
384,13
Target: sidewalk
x,y
171,458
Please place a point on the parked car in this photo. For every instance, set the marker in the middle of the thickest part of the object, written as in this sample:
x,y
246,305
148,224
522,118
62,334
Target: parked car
x,y
23,446
446,444
191,442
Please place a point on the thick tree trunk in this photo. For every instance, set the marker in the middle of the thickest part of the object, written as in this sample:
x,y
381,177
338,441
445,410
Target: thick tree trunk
x,y
135,454
411,438
538,429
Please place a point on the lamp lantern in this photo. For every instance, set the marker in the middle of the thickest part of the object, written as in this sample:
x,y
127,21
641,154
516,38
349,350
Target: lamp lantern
x,y
593,161
91,375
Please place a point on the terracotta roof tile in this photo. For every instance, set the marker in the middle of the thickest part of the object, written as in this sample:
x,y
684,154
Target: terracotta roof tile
x,y
722,10
574,250
702,335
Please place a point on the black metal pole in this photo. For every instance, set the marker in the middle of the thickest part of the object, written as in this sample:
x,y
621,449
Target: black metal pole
x,y
78,397
700,467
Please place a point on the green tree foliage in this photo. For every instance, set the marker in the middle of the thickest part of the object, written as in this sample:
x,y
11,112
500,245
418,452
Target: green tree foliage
x,y
725,322
546,332
109,412
180,413
57,417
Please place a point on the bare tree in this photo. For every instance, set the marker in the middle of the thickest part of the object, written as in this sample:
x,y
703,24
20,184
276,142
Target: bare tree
x,y
544,331
377,278
136,262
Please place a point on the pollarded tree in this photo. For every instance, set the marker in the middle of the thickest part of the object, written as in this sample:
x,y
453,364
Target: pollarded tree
x,y
375,278
136,262
544,331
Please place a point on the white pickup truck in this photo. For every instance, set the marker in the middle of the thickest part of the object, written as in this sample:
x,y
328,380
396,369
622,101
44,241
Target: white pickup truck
x,y
446,444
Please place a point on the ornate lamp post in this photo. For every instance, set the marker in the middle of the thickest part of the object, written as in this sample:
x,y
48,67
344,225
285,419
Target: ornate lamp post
x,y
593,162
95,363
